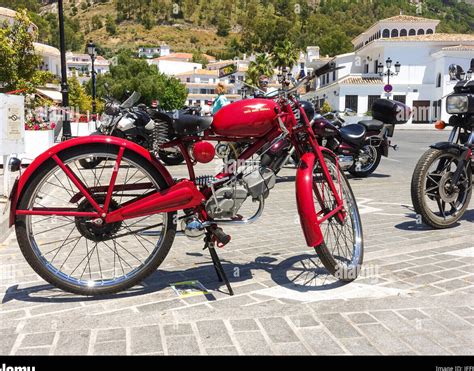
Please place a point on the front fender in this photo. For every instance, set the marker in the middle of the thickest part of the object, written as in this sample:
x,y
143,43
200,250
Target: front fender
x,y
453,148
93,139
305,202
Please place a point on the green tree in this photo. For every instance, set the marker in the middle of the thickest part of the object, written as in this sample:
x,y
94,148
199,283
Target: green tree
x,y
198,57
261,66
223,26
285,54
78,97
132,74
20,63
110,26
96,22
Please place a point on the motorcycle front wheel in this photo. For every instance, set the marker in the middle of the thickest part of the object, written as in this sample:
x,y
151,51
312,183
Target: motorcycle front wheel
x,y
85,256
439,202
342,250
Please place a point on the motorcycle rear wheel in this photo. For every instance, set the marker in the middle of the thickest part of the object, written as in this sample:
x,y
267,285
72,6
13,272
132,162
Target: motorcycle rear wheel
x,y
342,250
375,155
78,255
430,189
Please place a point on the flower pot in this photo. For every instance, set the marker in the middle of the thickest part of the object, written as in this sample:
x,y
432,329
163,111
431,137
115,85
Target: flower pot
x,y
37,141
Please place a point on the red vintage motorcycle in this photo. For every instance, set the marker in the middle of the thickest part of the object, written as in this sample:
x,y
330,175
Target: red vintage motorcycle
x,y
103,230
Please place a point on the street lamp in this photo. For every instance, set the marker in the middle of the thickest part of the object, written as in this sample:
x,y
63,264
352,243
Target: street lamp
x,y
389,73
92,53
64,85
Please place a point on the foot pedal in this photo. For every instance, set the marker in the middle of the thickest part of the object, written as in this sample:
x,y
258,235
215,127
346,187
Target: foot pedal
x,y
221,237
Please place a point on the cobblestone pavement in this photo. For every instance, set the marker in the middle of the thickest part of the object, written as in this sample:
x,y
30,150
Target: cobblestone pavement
x,y
415,294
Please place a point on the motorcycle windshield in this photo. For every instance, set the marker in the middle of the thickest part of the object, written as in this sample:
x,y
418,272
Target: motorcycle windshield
x,y
131,100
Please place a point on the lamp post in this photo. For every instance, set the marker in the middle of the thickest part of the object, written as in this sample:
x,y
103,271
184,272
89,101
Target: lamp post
x,y
389,73
93,53
64,85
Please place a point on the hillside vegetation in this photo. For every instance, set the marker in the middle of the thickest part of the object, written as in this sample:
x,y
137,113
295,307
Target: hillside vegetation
x,y
225,28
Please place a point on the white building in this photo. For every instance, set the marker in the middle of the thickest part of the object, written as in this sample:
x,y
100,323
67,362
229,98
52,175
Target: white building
x,y
80,66
423,81
201,85
176,63
51,60
150,52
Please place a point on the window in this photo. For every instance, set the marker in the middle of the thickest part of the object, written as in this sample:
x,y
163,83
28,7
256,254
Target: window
x,y
334,75
351,102
371,100
366,68
394,33
429,31
412,32
386,33
421,111
376,63
438,80
400,98
302,66
324,80
327,77
188,79
421,31
403,32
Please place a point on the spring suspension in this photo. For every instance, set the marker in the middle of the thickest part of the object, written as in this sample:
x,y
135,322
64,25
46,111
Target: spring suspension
x,y
160,134
205,180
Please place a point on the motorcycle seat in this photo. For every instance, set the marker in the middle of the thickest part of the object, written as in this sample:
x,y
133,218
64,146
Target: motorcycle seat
x,y
353,133
191,124
372,125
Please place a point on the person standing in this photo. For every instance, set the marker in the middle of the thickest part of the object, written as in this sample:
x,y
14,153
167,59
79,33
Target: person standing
x,y
221,99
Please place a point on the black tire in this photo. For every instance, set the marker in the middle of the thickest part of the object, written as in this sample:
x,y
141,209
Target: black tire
x,y
171,159
365,173
349,272
419,201
90,163
38,266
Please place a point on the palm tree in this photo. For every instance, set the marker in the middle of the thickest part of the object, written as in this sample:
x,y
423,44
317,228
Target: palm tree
x,y
285,54
261,66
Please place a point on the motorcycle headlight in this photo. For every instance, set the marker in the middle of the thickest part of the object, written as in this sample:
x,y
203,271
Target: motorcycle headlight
x,y
457,104
106,120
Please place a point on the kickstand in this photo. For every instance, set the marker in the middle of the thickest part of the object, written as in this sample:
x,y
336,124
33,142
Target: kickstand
x,y
210,244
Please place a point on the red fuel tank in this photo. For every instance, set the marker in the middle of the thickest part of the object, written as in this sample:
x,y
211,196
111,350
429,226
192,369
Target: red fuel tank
x,y
245,118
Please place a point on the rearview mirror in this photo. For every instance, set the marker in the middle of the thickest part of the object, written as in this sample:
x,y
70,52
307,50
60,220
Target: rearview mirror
x,y
456,72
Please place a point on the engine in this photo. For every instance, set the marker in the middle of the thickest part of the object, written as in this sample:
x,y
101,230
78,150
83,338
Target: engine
x,y
228,199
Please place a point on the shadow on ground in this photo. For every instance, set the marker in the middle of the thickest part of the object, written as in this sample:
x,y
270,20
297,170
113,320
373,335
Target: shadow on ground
x,y
302,273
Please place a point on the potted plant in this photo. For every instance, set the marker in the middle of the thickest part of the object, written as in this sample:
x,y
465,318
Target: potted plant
x,y
39,135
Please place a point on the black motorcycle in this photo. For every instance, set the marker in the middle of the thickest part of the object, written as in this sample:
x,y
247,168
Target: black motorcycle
x,y
441,185
148,127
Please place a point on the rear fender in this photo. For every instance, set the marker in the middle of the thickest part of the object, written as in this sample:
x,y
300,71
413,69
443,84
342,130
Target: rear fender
x,y
17,192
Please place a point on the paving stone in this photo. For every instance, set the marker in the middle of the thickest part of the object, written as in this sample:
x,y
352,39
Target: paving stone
x,y
361,318
39,339
412,314
222,351
178,329
392,321
40,351
320,342
117,348
252,343
213,333
338,325
384,340
422,344
145,339
359,346
290,349
278,330
182,345
305,320
110,335
244,325
73,342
